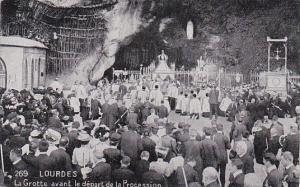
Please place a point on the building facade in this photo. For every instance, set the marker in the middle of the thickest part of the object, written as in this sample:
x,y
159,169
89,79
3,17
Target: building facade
x,y
22,63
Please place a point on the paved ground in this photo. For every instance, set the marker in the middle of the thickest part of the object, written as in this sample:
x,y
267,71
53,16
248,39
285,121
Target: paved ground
x,y
205,122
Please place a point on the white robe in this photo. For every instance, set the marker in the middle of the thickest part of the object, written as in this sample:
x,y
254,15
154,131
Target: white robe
x,y
195,106
205,105
185,104
179,102
157,96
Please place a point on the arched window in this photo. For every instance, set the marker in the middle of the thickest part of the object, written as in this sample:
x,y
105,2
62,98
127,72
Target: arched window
x,y
3,74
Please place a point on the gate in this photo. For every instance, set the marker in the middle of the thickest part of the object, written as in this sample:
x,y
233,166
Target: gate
x,y
3,75
229,80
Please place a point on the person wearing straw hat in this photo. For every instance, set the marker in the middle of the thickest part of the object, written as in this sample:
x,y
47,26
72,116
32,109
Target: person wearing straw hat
x,y
83,155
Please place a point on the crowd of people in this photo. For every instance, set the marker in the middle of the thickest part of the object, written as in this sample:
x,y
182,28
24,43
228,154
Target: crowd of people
x,y
119,133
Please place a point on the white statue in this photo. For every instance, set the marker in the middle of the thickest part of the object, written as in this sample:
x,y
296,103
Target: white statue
x,y
163,56
190,30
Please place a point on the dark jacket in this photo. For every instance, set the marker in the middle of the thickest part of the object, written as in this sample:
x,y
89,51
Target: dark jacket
x,y
43,162
273,179
131,144
122,174
141,167
209,153
100,173
223,145
149,145
162,111
61,160
113,157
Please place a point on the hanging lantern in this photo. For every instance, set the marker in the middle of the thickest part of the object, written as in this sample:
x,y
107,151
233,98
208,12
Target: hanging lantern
x,y
190,30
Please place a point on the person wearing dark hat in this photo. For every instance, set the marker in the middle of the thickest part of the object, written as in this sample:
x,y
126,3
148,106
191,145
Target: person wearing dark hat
x,y
223,144
131,143
149,145
112,154
209,150
273,178
123,173
237,176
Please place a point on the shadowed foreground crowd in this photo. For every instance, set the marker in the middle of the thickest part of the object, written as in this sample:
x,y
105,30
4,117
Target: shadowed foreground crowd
x,y
120,133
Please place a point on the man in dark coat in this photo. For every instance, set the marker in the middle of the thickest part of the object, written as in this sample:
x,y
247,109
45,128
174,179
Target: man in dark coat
x,y
292,142
273,178
95,107
149,145
237,176
213,101
61,159
123,174
223,144
191,150
209,150
113,115
162,111
72,136
142,165
131,144
112,154
105,112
